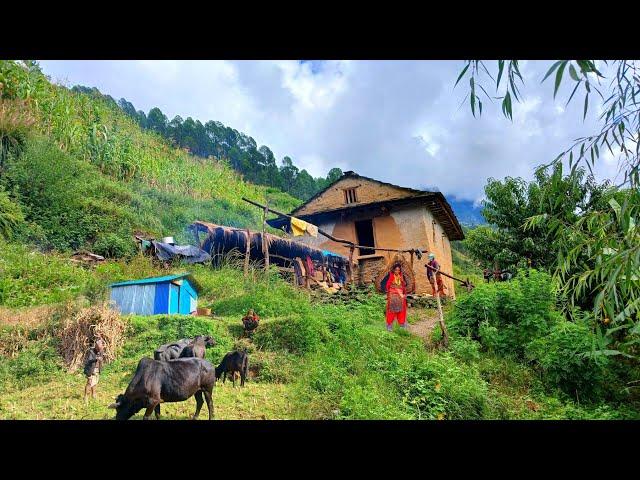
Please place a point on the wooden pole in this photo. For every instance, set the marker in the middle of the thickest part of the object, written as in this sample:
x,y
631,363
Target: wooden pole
x,y
265,243
247,254
443,327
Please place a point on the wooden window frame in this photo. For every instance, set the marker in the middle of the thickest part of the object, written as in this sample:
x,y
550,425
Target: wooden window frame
x,y
350,196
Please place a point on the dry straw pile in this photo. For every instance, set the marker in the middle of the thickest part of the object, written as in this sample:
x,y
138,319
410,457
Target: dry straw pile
x,y
79,329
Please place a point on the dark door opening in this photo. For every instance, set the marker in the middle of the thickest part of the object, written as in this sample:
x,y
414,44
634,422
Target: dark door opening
x,y
364,232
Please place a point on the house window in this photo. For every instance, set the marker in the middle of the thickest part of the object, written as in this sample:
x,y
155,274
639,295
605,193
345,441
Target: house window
x,y
364,232
350,196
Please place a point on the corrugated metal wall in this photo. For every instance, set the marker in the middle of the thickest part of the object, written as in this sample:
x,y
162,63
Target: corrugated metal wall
x,y
137,299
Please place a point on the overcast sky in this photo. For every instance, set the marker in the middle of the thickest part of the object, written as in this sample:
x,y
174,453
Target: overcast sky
x,y
397,121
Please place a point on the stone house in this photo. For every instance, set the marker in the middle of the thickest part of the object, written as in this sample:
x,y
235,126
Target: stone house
x,y
372,213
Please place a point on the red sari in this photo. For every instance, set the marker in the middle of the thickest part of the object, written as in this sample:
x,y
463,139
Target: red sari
x,y
396,305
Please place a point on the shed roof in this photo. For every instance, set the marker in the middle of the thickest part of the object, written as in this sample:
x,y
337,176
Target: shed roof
x,y
165,278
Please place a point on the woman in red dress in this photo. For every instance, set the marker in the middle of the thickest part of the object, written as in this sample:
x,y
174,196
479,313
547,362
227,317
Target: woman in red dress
x,y
395,285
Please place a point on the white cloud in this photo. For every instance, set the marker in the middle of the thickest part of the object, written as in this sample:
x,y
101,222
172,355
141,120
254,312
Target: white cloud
x,y
400,121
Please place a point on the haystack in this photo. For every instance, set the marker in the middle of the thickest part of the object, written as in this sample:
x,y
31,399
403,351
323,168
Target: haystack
x,y
406,269
79,330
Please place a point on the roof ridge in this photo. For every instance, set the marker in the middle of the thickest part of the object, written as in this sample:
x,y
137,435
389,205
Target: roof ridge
x,y
352,174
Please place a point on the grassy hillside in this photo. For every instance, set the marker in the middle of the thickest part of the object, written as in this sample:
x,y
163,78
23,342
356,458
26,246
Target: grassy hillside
x,y
83,172
308,359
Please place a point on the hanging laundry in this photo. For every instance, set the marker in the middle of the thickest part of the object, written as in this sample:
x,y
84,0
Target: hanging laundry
x,y
309,266
300,227
312,230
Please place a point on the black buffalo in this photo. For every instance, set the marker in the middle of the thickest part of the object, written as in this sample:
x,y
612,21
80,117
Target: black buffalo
x,y
171,351
198,347
173,381
231,363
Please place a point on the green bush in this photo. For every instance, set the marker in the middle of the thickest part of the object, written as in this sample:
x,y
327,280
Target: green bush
x,y
69,199
295,333
465,349
11,216
506,316
35,363
439,387
564,358
29,277
112,245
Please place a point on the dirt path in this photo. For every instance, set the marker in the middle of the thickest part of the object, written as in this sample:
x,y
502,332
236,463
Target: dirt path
x,y
427,319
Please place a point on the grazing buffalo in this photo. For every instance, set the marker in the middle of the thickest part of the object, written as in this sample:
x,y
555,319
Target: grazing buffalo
x,y
171,351
174,350
198,347
173,381
231,363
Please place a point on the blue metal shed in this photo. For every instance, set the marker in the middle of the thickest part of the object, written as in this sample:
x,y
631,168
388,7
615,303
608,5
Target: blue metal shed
x,y
150,296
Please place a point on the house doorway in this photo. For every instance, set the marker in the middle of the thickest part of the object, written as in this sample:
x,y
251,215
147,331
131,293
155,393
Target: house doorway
x,y
364,233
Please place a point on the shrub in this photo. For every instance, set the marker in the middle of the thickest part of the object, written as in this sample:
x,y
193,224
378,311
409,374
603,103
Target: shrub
x,y
465,349
35,363
295,333
69,199
112,245
11,216
506,316
564,358
439,387
28,277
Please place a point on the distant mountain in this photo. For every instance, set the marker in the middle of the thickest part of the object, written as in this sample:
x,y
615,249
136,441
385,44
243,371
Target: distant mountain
x,y
467,212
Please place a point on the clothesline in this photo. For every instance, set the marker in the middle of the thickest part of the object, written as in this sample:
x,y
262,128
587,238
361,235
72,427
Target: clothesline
x,y
331,237
352,245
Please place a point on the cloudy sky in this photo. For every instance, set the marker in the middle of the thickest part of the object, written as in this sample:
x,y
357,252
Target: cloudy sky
x,y
397,121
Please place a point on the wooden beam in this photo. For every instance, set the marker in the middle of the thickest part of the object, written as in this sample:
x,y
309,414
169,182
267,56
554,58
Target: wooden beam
x,y
337,240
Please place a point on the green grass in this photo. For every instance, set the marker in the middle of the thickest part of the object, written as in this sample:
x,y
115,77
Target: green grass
x,y
308,361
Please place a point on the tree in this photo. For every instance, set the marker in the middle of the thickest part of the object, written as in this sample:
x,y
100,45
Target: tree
x,y
333,175
157,121
289,173
128,108
511,202
175,129
304,186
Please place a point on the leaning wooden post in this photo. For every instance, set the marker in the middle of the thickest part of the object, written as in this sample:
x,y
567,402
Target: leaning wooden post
x,y
247,253
445,334
265,243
